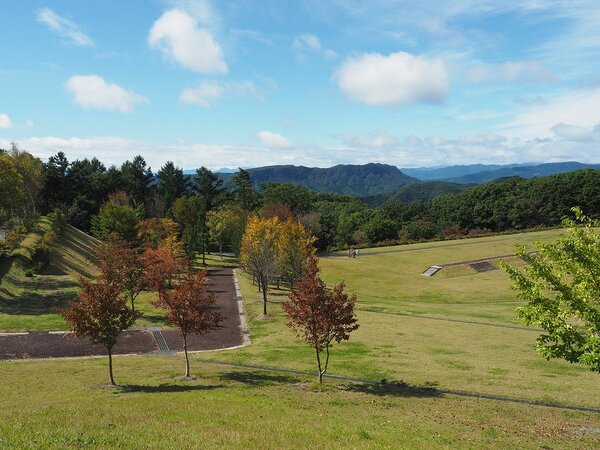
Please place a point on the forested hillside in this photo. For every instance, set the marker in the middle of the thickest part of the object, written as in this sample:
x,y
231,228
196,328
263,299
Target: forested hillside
x,y
205,214
357,180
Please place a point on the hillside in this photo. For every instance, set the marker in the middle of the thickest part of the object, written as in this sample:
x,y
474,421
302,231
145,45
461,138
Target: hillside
x,y
449,172
357,180
30,302
423,191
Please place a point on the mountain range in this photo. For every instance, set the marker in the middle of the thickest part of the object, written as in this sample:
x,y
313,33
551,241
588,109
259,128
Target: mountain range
x,y
379,181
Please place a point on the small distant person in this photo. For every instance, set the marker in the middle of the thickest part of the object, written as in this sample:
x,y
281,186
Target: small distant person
x,y
350,253
357,252
353,253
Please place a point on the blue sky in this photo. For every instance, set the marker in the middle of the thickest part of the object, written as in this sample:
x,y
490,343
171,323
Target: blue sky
x,y
315,82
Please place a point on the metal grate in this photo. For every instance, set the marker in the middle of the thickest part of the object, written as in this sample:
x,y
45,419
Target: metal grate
x,y
482,266
160,340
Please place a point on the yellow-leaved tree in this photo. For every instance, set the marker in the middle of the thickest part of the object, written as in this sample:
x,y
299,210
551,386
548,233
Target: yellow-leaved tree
x,y
295,247
258,253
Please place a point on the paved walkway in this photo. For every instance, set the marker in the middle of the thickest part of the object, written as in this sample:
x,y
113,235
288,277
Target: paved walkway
x,y
143,341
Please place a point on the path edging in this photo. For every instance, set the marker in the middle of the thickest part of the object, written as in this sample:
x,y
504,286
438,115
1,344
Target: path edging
x,y
240,302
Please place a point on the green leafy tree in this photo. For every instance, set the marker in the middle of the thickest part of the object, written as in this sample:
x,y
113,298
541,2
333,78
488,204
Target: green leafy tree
x,y
172,185
136,178
117,221
243,192
561,285
190,214
209,187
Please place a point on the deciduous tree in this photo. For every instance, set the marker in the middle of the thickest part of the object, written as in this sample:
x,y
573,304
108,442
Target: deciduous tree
x,y
320,316
161,267
561,285
189,307
124,268
258,255
100,314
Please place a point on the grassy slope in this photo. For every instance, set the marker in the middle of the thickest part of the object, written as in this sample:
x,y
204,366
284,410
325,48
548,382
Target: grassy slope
x,y
32,303
60,406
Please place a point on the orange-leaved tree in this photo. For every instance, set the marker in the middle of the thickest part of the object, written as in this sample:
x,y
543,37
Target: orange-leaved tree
x,y
122,267
162,266
258,253
100,313
190,307
319,315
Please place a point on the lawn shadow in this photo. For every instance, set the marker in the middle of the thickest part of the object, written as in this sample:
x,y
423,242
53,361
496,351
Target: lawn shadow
x,y
258,378
34,304
395,389
163,388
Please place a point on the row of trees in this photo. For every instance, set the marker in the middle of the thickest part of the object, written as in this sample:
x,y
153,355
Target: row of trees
x,y
106,307
211,215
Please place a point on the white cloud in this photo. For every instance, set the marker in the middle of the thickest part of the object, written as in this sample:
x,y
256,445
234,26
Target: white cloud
x,y
396,79
69,31
274,140
578,108
207,92
516,72
177,35
204,94
5,121
311,43
573,133
93,92
377,140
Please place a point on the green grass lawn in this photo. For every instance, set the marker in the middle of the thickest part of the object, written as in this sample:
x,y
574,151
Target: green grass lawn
x,y
455,331
60,404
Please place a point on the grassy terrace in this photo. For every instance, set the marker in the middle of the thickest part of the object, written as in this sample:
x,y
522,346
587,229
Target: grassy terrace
x,y
455,330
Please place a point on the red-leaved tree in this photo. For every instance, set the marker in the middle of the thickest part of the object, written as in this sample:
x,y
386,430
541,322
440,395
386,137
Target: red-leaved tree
x,y
100,313
189,307
319,315
162,266
123,267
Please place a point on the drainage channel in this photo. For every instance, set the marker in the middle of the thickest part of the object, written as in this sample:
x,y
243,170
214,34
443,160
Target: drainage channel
x,y
160,340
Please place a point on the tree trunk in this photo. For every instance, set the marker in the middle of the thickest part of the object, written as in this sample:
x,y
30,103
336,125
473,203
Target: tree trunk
x,y
187,359
264,293
319,365
110,371
221,251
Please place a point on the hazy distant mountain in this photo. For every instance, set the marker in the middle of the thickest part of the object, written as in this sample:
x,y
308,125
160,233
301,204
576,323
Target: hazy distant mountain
x,y
451,172
538,170
357,180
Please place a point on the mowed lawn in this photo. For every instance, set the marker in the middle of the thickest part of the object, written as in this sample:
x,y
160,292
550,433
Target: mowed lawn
x,y
60,404
451,332
445,332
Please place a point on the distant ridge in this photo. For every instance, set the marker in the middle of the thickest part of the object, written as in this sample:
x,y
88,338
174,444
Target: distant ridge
x,y
358,180
539,170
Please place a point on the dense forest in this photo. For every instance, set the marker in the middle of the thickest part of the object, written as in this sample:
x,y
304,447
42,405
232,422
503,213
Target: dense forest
x,y
208,214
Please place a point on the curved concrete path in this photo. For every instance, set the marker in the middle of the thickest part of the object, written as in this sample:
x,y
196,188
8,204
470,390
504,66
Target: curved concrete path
x,y
144,341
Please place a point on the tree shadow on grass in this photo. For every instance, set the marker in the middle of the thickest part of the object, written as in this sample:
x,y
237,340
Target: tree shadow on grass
x,y
163,388
258,378
34,304
394,389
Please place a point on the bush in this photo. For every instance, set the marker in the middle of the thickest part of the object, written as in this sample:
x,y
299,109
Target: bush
x,y
29,273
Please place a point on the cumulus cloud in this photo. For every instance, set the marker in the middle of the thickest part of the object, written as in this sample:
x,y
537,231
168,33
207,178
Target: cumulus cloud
x,y
177,35
93,92
209,91
5,121
274,140
574,133
396,79
517,72
69,31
